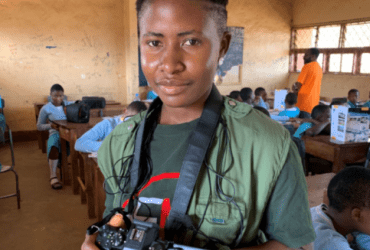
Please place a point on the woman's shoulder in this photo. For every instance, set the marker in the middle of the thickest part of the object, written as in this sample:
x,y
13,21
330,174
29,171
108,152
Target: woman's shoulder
x,y
244,118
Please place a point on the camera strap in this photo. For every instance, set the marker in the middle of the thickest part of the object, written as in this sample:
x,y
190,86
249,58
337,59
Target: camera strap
x,y
199,142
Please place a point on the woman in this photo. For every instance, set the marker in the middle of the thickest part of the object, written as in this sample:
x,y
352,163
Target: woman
x,y
251,189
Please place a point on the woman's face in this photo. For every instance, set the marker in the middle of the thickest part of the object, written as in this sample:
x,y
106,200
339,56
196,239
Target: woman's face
x,y
180,50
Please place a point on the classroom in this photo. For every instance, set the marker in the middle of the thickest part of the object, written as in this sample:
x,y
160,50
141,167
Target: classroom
x,y
91,48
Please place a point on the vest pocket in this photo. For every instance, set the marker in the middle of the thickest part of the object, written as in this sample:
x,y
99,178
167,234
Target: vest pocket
x,y
222,220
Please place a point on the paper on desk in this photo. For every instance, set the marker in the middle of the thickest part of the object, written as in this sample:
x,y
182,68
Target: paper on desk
x,y
93,155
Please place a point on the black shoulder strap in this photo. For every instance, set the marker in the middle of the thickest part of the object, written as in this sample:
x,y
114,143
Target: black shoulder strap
x,y
199,142
136,164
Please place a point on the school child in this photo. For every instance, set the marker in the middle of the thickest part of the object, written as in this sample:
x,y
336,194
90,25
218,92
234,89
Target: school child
x,y
319,122
251,190
263,110
151,95
348,212
236,95
353,96
260,98
290,109
50,112
247,95
367,104
92,139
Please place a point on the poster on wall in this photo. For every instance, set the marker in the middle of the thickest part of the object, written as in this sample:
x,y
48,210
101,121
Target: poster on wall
x,y
230,71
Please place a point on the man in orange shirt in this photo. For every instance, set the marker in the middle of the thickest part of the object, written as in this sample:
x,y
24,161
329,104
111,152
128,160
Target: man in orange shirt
x,y
309,83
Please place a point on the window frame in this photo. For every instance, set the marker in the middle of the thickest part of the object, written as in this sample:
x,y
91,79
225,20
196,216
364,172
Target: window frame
x,y
357,51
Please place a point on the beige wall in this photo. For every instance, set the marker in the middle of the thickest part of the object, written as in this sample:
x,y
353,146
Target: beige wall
x,y
267,25
96,50
321,11
88,59
307,12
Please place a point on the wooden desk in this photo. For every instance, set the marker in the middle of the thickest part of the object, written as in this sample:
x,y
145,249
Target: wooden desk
x,y
69,131
112,108
99,189
92,185
338,154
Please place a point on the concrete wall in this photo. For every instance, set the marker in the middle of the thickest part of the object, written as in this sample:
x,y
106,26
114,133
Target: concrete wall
x,y
307,12
319,11
267,25
89,58
96,50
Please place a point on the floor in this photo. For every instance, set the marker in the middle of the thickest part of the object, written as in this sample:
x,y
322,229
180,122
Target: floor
x,y
53,220
48,219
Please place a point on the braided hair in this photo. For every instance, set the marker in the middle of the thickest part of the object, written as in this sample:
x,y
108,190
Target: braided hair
x,y
216,8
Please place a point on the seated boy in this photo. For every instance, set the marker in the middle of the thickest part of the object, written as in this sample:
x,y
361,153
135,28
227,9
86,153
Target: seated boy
x,y
320,121
367,104
92,139
353,96
236,95
247,95
290,109
261,98
51,112
348,212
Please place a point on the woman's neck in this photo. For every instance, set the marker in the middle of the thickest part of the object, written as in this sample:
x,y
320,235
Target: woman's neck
x,y
173,116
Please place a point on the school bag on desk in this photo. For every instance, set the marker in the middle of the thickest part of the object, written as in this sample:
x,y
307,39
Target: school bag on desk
x,y
77,112
94,102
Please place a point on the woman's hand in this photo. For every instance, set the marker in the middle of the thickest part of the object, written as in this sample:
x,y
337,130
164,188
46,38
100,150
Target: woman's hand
x,y
89,243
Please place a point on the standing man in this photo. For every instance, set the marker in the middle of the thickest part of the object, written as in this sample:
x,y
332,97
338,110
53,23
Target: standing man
x,y
309,83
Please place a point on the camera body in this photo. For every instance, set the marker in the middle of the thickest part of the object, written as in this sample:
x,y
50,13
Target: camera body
x,y
141,235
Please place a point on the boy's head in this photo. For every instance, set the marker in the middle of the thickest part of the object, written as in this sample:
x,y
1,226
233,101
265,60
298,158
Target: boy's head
x,y
261,92
337,102
321,113
263,110
235,95
353,95
133,109
349,192
57,94
247,95
290,100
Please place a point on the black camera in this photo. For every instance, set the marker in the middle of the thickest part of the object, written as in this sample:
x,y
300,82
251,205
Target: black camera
x,y
142,235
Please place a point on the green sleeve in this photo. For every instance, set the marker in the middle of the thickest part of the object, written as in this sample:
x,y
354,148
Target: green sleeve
x,y
287,218
109,198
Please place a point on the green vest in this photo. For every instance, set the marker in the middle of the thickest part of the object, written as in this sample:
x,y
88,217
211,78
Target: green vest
x,y
258,150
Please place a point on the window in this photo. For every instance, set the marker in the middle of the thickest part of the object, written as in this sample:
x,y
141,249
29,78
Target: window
x,y
365,63
344,47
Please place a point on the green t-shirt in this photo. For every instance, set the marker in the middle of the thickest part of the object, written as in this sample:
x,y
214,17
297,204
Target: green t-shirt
x,y
282,219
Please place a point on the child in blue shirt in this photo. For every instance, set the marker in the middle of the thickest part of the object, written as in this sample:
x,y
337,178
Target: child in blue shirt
x,y
261,98
353,96
320,121
348,212
92,139
50,112
290,109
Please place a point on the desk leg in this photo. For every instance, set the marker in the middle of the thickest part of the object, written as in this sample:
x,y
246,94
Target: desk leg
x,y
99,193
338,163
81,165
89,187
64,163
75,172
